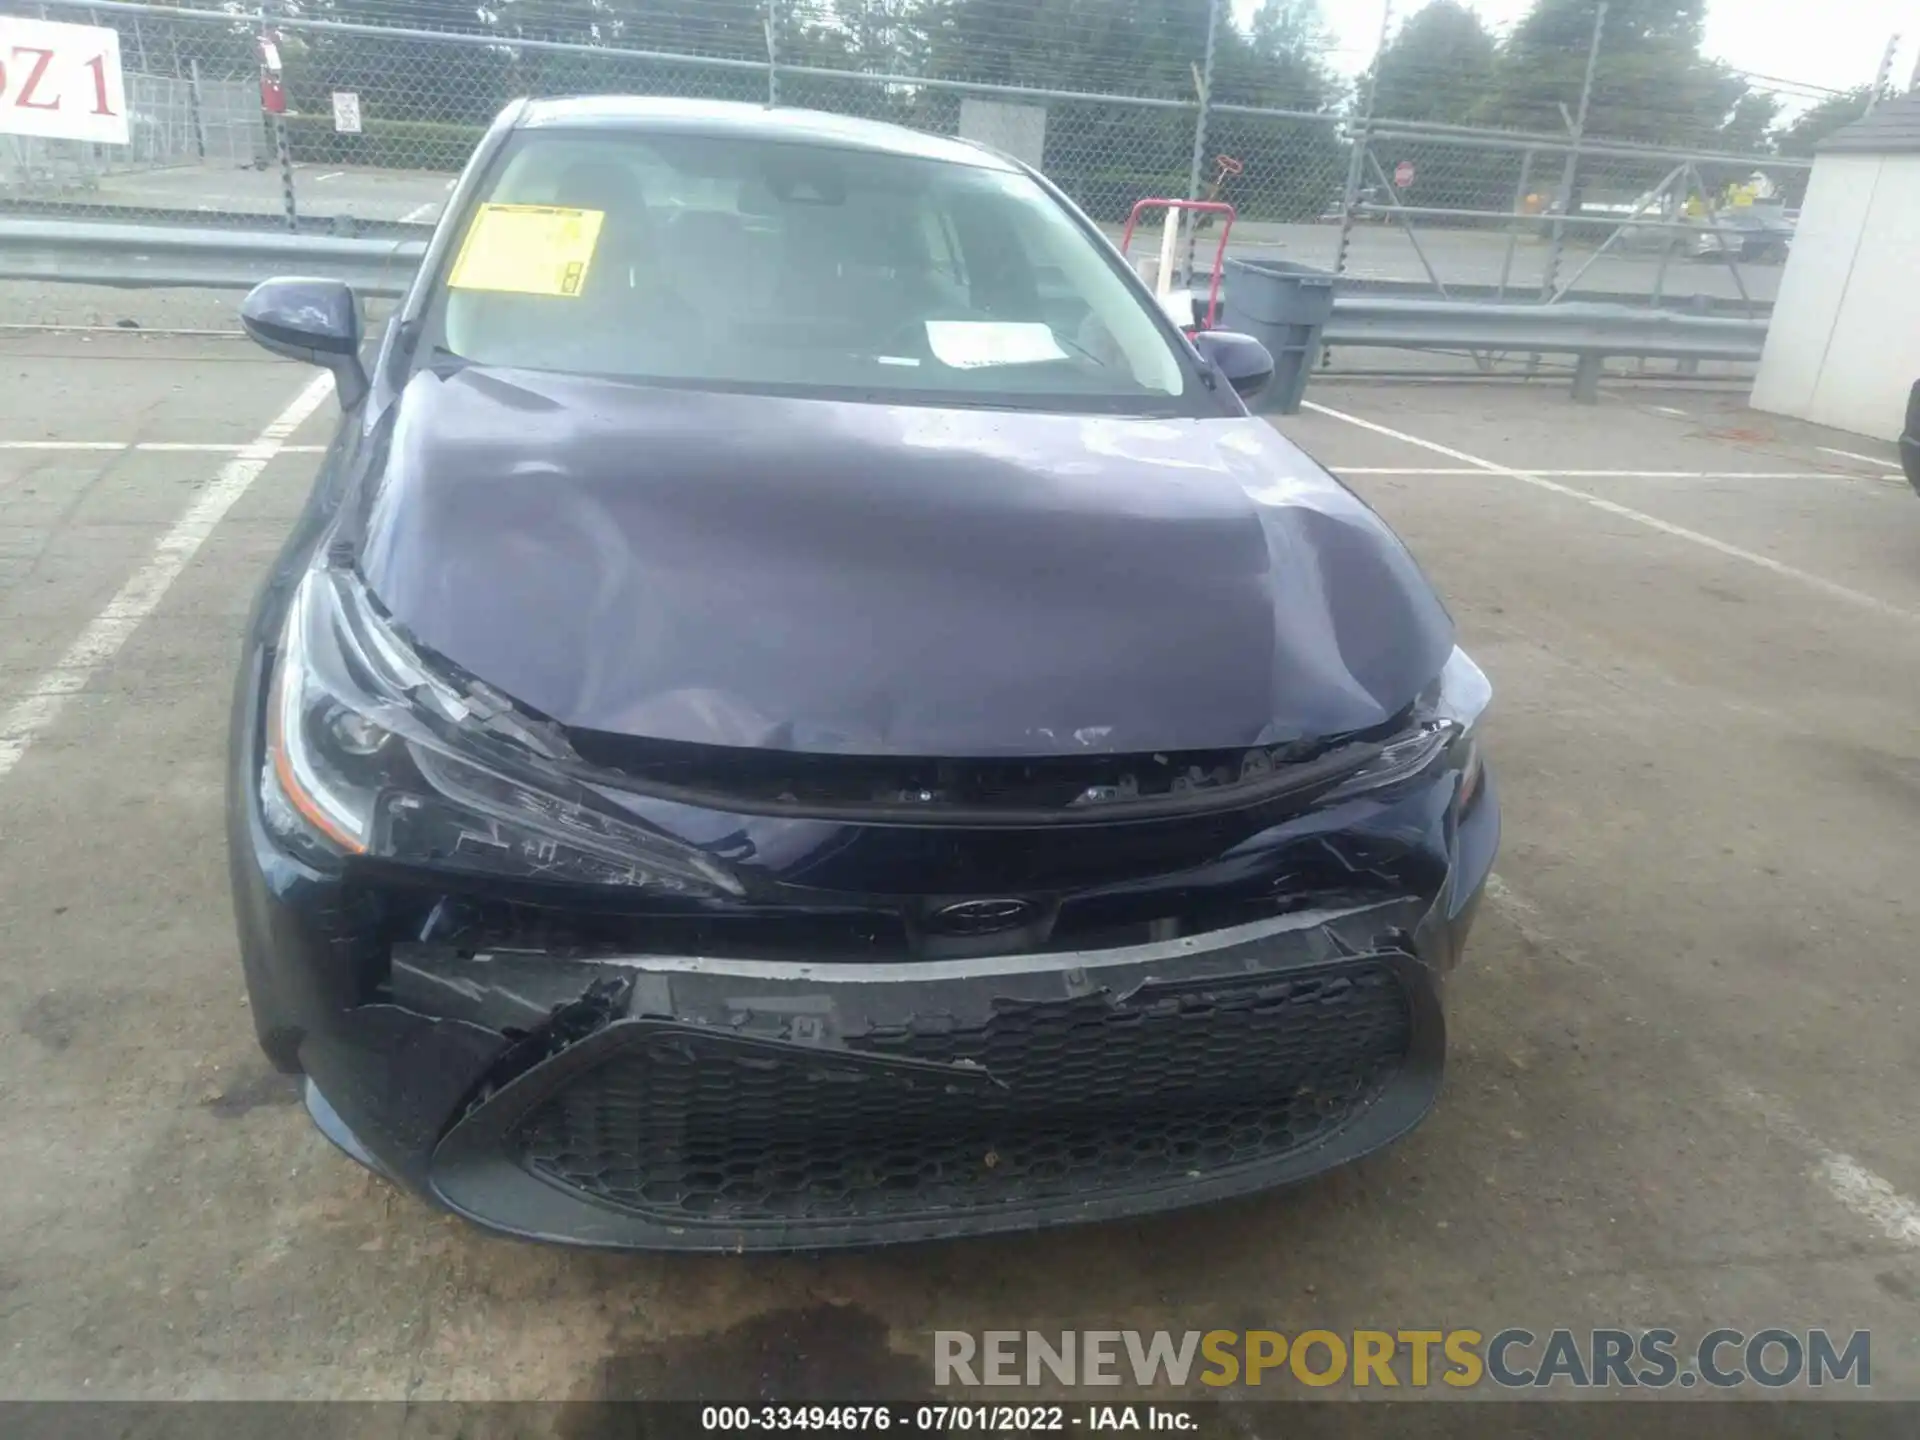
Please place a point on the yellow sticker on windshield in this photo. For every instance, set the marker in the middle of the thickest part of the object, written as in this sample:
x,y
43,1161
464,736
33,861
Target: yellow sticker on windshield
x,y
528,250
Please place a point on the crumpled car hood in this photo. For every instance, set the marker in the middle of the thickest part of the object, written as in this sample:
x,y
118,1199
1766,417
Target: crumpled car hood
x,y
868,579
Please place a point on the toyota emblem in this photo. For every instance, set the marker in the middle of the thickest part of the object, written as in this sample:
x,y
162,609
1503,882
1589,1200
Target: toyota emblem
x,y
983,917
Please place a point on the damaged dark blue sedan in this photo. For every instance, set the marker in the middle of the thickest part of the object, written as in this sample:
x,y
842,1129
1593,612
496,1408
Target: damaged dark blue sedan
x,y
803,710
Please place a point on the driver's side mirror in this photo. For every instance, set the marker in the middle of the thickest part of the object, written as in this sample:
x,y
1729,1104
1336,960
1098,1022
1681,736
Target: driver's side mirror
x,y
316,321
1242,360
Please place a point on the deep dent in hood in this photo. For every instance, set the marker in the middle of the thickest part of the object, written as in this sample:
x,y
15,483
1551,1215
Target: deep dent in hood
x,y
890,580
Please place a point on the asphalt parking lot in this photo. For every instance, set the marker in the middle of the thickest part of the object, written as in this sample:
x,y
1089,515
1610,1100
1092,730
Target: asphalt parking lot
x,y
1681,1060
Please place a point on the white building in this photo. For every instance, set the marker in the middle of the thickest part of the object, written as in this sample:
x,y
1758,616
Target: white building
x,y
1844,349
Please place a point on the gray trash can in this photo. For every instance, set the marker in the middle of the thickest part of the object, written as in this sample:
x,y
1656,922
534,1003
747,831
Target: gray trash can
x,y
1285,307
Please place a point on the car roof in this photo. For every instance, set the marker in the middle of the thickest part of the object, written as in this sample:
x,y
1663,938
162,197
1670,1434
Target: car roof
x,y
738,120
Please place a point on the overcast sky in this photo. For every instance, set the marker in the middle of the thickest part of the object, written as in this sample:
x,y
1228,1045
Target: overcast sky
x,y
1832,43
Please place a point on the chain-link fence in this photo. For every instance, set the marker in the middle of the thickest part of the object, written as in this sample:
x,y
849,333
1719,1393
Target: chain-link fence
x,y
1113,99
172,121
1513,218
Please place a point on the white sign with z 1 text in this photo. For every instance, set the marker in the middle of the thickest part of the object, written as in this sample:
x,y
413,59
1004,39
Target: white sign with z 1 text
x,y
61,81
346,112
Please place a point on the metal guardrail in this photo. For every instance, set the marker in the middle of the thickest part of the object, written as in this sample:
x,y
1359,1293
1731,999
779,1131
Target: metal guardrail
x,y
1715,305
31,206
153,256
1591,332
162,256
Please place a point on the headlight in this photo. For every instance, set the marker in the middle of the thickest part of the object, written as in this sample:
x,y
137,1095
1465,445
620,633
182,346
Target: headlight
x,y
1446,715
1461,697
1462,693
370,751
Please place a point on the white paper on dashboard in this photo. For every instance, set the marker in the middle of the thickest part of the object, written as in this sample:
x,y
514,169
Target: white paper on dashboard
x,y
970,344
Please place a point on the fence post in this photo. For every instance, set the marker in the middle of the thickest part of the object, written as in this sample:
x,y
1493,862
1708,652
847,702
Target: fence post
x,y
1568,177
772,21
286,169
1697,305
1362,142
1520,192
1883,77
1200,131
1669,242
198,101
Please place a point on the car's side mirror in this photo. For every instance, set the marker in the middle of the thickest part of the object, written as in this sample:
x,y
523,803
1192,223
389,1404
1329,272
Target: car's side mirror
x,y
1910,440
317,321
1243,360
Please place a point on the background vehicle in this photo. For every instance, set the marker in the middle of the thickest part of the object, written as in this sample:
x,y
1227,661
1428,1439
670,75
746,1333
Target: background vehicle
x,y
1759,234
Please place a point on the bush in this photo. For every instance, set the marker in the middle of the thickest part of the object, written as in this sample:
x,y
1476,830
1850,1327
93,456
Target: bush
x,y
388,144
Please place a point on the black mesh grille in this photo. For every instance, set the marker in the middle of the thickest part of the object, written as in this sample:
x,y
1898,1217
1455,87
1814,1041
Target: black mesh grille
x,y
1041,1101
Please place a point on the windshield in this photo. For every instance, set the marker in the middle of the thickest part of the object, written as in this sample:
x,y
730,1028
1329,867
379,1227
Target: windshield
x,y
751,264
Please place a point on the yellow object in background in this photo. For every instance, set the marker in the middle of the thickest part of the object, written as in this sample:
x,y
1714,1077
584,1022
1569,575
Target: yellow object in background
x,y
528,250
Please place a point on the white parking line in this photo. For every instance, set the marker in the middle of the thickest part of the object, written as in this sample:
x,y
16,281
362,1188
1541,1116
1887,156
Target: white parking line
x,y
1856,1187
29,717
1524,916
194,447
185,447
1639,517
168,331
419,212
1864,459
1866,1194
330,175
1610,474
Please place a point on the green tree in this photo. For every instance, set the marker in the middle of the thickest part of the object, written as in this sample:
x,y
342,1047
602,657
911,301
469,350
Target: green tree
x,y
1289,31
1291,168
1108,153
1809,130
1651,83
1748,130
1130,47
1438,68
1280,62
881,36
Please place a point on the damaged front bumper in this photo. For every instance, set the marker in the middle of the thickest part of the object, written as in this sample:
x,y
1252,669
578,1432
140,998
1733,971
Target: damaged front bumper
x,y
651,1097
700,1104
686,1102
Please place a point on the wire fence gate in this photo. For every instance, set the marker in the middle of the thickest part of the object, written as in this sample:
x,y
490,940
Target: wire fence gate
x,y
1334,180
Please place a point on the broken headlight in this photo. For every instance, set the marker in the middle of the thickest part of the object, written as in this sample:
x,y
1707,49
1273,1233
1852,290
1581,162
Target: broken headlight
x,y
1459,699
372,751
1447,721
